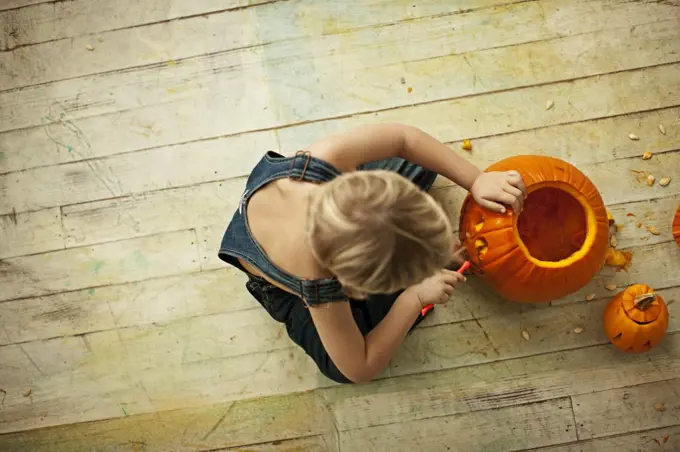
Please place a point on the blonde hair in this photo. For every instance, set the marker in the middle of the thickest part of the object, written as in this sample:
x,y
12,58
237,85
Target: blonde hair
x,y
377,232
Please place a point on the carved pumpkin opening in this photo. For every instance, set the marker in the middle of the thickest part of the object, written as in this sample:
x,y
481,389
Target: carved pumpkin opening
x,y
553,224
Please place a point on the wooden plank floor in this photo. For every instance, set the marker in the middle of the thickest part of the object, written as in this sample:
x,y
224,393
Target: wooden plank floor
x,y
127,129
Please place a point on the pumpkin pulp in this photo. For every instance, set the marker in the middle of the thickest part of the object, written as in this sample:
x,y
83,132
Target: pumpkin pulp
x,y
556,227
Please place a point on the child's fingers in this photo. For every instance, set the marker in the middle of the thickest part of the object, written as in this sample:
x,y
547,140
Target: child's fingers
x,y
515,179
452,278
517,193
492,206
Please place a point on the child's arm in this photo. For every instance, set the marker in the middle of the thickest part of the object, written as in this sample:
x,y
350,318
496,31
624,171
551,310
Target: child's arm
x,y
382,141
361,358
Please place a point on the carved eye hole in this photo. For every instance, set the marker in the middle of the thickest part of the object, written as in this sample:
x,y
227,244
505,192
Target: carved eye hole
x,y
479,224
481,246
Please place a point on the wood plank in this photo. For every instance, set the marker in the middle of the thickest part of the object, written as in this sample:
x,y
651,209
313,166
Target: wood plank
x,y
91,223
119,91
579,143
213,205
179,39
500,337
219,425
187,363
500,384
154,301
311,444
631,409
125,174
30,232
83,17
99,265
153,212
96,388
277,89
664,440
535,425
57,20
664,258
12,4
154,44
402,399
497,113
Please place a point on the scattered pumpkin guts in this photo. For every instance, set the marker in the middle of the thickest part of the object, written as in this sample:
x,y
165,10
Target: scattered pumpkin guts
x,y
467,145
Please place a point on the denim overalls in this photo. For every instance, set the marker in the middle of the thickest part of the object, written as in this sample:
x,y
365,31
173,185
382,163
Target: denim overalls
x,y
284,306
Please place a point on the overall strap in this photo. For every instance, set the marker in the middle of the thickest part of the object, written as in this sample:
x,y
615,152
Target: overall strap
x,y
238,241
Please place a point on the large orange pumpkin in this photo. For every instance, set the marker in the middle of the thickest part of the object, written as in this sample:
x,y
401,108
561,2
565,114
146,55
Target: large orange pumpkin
x,y
676,226
636,319
554,247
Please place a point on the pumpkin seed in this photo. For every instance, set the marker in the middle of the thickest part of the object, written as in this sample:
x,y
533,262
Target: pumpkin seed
x,y
578,330
590,297
89,47
633,137
467,145
647,155
550,104
612,241
26,392
525,335
662,129
665,181
661,407
610,287
654,230
650,180
100,39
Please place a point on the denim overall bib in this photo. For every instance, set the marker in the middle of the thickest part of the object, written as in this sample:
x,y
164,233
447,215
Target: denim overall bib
x,y
283,306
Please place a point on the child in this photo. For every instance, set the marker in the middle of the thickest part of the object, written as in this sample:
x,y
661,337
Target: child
x,y
343,244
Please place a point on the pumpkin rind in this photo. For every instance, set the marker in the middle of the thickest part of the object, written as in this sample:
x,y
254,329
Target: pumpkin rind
x,y
676,226
633,330
505,262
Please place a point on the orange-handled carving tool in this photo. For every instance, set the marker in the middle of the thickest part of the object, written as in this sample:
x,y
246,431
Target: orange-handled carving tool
x,y
461,270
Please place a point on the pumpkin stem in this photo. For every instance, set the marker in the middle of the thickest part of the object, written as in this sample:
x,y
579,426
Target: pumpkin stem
x,y
644,301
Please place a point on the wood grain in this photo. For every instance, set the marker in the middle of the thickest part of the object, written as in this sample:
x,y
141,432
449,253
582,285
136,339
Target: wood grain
x,y
154,301
629,409
662,440
279,91
30,232
498,113
12,4
100,265
218,425
499,384
500,337
213,205
84,17
59,20
524,426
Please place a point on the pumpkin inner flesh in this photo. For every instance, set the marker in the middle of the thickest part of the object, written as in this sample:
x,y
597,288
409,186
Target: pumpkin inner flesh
x,y
553,224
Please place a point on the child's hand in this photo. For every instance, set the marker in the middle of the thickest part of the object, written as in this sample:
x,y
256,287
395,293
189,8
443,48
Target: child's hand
x,y
492,190
437,289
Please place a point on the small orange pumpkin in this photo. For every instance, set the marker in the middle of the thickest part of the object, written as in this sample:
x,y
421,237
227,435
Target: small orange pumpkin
x,y
636,319
556,244
676,226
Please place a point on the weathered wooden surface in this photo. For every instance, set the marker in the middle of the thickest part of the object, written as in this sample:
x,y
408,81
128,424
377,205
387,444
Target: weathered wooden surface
x,y
121,166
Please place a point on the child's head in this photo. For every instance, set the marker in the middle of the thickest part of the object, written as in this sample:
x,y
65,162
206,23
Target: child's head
x,y
378,232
